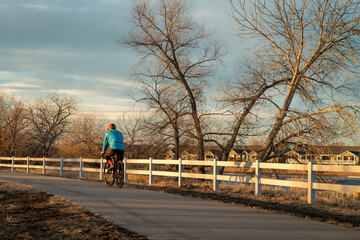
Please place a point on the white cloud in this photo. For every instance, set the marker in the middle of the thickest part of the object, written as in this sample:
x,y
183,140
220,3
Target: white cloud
x,y
40,7
76,92
15,80
11,85
116,81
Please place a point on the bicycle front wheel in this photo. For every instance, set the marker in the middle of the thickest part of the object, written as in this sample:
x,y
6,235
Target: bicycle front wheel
x,y
120,174
109,174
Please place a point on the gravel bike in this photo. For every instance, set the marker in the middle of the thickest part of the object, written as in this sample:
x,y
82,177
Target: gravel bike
x,y
114,172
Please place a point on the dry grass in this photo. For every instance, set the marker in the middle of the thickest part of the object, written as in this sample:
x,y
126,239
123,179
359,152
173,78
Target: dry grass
x,y
27,213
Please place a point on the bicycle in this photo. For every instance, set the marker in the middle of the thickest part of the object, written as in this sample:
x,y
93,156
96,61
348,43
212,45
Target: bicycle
x,y
114,172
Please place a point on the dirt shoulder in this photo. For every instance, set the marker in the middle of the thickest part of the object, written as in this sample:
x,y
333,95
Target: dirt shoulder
x,y
28,213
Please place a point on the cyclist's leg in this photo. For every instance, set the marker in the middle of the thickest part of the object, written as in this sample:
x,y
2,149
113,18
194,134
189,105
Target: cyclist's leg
x,y
119,158
109,172
109,153
120,155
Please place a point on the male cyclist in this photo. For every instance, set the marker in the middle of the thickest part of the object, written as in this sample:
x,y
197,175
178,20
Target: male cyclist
x,y
113,143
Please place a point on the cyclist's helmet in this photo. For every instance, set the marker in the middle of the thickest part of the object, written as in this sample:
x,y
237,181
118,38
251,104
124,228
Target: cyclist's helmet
x,y
111,126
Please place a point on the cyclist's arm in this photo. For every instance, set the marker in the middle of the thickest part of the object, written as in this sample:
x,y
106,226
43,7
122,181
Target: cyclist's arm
x,y
105,143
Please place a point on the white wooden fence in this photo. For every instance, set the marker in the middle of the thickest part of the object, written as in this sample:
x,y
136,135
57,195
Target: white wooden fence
x,y
258,180
41,163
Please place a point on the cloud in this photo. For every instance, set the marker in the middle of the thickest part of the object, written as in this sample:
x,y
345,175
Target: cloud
x,y
70,47
80,24
17,80
12,85
116,81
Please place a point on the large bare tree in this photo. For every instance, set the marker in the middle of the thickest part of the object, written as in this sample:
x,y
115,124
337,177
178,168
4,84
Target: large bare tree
x,y
242,100
311,43
49,118
166,35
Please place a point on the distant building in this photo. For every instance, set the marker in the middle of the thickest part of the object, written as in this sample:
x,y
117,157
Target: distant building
x,y
212,154
239,155
349,158
331,155
170,155
188,156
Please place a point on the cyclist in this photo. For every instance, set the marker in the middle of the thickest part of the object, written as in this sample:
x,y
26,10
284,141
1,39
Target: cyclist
x,y
113,144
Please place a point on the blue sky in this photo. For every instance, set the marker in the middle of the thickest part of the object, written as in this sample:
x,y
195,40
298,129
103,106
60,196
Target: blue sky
x,y
69,46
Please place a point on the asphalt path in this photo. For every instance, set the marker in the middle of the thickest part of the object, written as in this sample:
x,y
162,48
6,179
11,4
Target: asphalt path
x,y
165,216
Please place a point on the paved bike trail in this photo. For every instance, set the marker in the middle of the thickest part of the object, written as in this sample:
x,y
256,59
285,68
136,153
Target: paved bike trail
x,y
164,216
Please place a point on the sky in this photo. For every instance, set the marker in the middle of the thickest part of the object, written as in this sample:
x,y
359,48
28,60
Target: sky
x,y
70,47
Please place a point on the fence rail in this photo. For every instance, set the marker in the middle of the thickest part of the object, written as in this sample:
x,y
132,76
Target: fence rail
x,y
257,179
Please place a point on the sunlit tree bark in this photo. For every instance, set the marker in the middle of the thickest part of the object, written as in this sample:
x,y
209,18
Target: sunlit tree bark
x,y
310,42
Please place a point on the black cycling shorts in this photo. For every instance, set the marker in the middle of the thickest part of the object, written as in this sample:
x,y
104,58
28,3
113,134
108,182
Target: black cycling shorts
x,y
111,152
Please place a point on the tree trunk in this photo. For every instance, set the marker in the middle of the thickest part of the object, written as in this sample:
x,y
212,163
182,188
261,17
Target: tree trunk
x,y
266,151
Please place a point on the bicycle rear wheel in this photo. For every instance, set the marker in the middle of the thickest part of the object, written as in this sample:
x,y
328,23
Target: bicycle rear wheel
x,y
109,174
120,174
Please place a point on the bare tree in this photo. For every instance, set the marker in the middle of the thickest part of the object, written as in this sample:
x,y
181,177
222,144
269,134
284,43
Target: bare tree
x,y
13,125
169,104
130,126
86,134
241,100
139,141
49,118
166,35
16,128
4,105
311,43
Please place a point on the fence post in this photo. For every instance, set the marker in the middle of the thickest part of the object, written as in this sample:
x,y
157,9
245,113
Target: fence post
x,y
258,175
44,165
28,165
125,170
151,168
181,170
101,169
13,164
311,180
61,167
80,168
215,172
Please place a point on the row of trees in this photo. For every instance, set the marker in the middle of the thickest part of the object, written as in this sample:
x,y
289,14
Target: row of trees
x,y
51,126
34,128
299,85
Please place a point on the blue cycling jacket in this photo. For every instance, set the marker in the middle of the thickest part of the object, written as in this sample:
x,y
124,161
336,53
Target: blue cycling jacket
x,y
113,139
